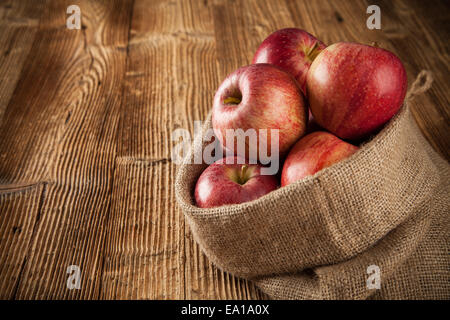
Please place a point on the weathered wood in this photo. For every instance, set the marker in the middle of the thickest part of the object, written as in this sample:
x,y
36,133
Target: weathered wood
x,y
60,130
18,27
19,213
171,77
86,120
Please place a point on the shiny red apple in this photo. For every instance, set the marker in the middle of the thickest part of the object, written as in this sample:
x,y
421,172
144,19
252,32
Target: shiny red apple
x,y
354,89
312,153
259,96
223,183
291,49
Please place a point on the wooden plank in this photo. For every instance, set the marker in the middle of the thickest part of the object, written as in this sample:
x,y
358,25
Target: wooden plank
x,y
16,231
171,78
30,120
18,27
62,131
144,250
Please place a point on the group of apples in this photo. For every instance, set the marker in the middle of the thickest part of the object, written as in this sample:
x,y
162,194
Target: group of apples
x,y
322,100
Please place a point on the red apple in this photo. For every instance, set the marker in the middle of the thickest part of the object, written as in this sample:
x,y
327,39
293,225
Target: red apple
x,y
223,183
312,153
291,49
259,96
354,89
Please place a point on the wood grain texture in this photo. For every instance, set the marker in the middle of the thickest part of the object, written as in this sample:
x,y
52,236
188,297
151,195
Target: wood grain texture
x,y
86,122
16,231
18,26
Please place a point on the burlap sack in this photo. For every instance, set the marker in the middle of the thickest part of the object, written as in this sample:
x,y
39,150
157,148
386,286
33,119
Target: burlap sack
x,y
386,206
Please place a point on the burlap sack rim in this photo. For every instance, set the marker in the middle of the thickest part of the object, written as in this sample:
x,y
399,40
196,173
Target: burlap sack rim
x,y
421,84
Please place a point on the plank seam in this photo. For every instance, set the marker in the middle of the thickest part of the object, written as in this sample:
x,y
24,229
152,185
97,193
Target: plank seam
x,y
33,234
111,187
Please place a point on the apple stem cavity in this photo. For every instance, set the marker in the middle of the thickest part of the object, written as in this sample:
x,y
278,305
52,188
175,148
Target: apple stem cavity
x,y
313,51
242,177
232,100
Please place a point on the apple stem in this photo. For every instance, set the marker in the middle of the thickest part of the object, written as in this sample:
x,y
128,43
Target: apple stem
x,y
312,53
242,178
313,47
232,100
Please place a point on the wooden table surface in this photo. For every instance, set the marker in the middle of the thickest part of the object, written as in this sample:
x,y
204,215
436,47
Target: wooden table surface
x,y
86,118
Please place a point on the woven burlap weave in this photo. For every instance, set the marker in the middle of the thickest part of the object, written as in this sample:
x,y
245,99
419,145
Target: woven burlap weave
x,y
387,205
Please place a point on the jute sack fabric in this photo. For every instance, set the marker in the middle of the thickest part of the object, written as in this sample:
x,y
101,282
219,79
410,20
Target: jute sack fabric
x,y
385,207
